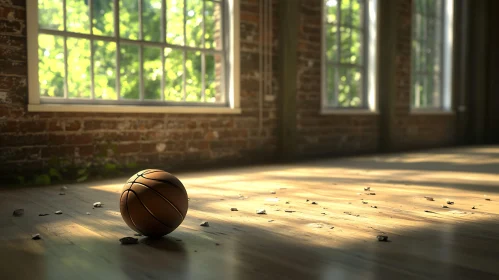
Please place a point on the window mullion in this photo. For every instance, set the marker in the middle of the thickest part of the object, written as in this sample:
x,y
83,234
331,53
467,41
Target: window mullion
x,y
141,52
65,51
336,87
92,50
184,81
203,62
118,48
164,31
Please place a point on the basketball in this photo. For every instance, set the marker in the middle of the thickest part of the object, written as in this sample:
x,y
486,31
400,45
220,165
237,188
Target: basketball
x,y
153,202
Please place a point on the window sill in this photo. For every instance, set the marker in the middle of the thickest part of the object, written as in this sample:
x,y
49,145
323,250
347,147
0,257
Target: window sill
x,y
131,109
444,112
331,111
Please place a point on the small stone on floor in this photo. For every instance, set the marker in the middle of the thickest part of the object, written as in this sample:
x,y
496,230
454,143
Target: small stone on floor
x,y
261,211
233,209
289,211
218,244
364,202
429,198
63,188
97,204
62,193
18,212
88,213
43,214
367,189
36,236
374,206
450,202
272,192
204,224
382,238
372,193
129,240
445,206
58,212
313,202
271,221
473,207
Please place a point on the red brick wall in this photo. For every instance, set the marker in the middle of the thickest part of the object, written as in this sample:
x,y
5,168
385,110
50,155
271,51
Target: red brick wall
x,y
29,140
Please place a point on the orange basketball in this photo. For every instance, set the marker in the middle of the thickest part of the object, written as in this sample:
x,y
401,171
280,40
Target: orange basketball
x,y
153,202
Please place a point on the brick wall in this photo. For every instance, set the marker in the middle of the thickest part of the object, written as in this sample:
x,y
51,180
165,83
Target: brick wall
x,y
29,141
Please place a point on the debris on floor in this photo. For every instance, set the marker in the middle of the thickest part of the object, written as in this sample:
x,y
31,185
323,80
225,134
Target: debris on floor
x,y
367,189
97,204
272,192
62,193
204,224
261,211
445,206
429,198
58,212
428,211
271,221
323,213
233,209
374,206
313,202
36,236
287,202
382,238
473,207
331,228
364,202
350,213
372,193
486,198
64,188
88,213
450,202
129,240
18,212
43,214
308,200
218,244
289,211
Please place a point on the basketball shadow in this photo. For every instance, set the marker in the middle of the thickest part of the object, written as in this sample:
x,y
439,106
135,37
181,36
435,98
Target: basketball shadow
x,y
165,243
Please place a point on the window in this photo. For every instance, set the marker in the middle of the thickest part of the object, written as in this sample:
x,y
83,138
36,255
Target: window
x,y
349,49
431,54
141,53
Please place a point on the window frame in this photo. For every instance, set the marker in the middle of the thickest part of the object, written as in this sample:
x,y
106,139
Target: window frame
x,y
447,51
369,50
231,84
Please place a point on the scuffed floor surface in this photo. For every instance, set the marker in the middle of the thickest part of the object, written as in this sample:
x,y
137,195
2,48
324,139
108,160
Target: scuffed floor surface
x,y
335,238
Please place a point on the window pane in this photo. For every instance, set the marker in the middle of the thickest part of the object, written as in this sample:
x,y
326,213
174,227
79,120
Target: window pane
x,y
436,94
213,25
50,14
103,18
51,65
350,87
152,73
331,10
346,16
351,50
151,14
213,78
357,13
194,22
77,16
193,76
129,19
331,43
175,22
105,70
331,73
174,70
129,72
79,76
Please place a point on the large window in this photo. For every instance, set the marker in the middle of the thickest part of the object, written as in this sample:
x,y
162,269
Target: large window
x,y
431,54
133,52
349,29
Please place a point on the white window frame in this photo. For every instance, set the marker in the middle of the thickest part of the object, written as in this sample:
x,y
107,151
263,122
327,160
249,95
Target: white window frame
x,y
447,55
370,89
232,29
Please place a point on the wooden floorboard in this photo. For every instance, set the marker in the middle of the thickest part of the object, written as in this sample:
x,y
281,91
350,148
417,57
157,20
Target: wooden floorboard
x,y
333,239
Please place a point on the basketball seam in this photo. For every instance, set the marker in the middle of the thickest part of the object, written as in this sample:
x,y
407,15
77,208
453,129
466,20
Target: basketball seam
x,y
147,210
158,193
152,171
162,181
128,212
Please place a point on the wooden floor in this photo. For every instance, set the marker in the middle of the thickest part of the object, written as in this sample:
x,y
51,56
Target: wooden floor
x,y
333,239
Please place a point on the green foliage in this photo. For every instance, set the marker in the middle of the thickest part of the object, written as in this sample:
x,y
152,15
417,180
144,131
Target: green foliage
x,y
52,61
43,179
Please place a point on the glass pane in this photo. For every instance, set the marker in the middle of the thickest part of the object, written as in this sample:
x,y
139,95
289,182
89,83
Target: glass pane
x,y
151,14
129,72
436,90
193,77
418,27
105,70
424,92
213,25
51,65
129,19
430,6
77,16
358,13
350,87
50,14
331,44
174,70
103,18
331,84
79,76
152,73
331,10
213,78
175,22
351,46
346,15
416,90
194,23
